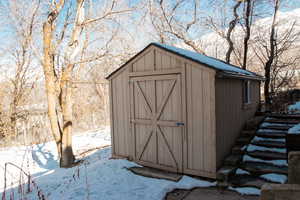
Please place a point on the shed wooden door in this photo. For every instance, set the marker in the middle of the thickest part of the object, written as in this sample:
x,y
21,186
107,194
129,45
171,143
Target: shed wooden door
x,y
157,121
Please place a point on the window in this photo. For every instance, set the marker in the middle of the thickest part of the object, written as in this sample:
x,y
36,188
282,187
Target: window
x,y
246,92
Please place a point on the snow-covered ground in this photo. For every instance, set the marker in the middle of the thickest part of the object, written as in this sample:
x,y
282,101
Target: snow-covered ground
x,y
97,177
295,108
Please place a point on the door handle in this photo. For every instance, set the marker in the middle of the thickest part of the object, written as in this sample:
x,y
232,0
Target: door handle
x,y
179,124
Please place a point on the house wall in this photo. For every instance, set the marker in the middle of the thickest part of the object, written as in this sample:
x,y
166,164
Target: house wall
x,y
231,114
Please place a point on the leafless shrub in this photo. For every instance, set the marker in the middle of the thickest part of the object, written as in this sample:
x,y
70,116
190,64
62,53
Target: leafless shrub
x,y
25,185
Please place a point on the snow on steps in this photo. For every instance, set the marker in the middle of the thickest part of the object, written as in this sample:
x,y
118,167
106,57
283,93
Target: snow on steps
x,y
279,163
258,138
252,148
276,126
276,178
263,157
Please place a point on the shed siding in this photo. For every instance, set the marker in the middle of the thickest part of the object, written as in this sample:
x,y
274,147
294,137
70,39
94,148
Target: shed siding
x,y
120,115
230,114
201,141
156,60
212,111
151,60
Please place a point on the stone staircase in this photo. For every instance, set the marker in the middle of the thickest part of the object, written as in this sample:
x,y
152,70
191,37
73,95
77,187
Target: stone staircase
x,y
259,156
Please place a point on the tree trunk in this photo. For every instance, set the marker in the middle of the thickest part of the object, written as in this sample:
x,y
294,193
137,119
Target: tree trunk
x,y
271,56
267,84
230,29
67,156
248,32
13,119
50,84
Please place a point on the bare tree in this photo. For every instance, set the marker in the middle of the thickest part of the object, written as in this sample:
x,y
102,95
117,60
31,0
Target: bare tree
x,y
59,70
275,47
20,59
166,19
271,54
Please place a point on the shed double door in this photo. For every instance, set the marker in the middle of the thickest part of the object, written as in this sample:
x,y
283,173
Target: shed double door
x,y
157,121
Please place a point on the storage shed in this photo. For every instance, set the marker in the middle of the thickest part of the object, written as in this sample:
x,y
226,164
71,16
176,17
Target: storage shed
x,y
178,110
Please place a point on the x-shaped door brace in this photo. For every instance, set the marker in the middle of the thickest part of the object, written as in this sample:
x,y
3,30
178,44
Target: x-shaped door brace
x,y
154,121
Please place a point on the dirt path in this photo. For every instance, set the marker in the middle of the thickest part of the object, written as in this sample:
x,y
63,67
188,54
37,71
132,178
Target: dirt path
x,y
207,194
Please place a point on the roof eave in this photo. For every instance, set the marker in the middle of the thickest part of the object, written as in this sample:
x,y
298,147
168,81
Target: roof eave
x,y
223,74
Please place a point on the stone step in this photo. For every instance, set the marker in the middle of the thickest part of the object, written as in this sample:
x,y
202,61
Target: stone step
x,y
248,133
282,121
238,149
273,127
266,155
258,169
233,160
244,140
247,181
155,173
284,116
271,144
225,172
271,134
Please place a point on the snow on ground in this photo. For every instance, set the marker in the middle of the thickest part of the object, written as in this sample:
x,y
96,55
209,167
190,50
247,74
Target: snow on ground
x,y
246,190
276,178
295,108
97,177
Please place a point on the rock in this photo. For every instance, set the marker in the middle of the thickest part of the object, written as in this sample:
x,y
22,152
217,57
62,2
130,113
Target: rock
x,y
294,168
280,192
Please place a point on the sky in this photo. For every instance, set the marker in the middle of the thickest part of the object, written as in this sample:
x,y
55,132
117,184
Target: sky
x,y
140,35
